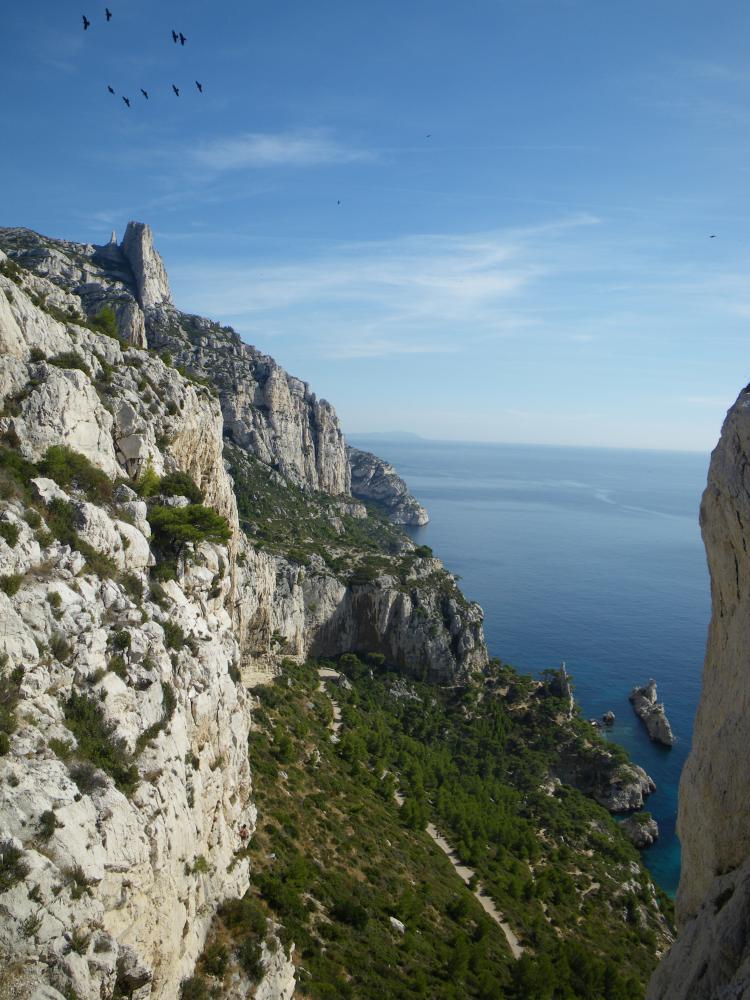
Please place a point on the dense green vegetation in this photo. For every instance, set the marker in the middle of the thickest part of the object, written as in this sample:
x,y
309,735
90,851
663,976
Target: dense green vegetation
x,y
283,518
96,742
335,857
333,861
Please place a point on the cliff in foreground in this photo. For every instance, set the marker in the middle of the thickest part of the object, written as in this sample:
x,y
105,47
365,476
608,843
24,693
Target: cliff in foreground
x,y
711,958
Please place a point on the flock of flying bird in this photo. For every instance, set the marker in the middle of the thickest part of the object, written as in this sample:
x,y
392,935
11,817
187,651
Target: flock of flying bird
x,y
177,36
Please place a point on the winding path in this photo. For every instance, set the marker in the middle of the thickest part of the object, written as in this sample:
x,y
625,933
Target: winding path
x,y
465,873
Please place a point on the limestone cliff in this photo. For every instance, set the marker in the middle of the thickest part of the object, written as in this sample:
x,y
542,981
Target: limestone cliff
x,y
124,769
712,957
377,481
266,411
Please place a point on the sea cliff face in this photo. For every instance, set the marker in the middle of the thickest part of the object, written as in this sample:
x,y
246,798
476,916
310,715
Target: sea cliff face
x,y
127,792
711,957
167,543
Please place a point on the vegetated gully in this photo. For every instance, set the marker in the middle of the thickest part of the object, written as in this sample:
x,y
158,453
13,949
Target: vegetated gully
x,y
466,874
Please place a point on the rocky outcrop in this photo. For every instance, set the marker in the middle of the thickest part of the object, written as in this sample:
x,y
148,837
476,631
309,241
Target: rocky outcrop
x,y
618,786
96,276
711,958
642,829
651,713
266,411
378,482
147,266
291,610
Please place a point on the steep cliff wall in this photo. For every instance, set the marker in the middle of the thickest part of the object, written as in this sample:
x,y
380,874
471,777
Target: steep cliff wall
x,y
124,768
270,413
123,729
712,955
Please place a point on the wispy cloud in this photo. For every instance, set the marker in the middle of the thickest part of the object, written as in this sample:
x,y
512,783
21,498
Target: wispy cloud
x,y
254,150
413,295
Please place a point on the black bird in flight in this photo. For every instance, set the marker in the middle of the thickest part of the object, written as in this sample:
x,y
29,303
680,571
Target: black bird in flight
x,y
127,101
199,86
176,91
175,36
110,89
108,12
712,236
145,93
86,22
182,39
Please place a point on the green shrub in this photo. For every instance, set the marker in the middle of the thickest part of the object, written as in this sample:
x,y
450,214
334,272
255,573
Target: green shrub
x,y
97,743
180,484
215,959
105,321
349,911
32,518
194,988
121,640
148,482
174,637
60,647
173,527
11,583
87,777
4,743
9,532
248,955
118,666
132,586
13,869
423,552
54,600
70,468
47,824
71,359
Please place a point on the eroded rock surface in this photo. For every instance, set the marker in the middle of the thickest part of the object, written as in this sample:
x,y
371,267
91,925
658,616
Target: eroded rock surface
x,y
710,958
651,713
378,482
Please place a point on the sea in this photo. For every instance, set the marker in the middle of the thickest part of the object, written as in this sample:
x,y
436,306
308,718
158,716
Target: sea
x,y
587,556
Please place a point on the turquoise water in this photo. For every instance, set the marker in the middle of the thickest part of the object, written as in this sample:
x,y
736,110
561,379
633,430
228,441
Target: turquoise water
x,y
591,556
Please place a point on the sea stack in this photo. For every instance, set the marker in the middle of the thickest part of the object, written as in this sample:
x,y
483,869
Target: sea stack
x,y
651,713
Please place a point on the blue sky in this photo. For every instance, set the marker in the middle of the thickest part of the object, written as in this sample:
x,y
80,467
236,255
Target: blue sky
x,y
527,189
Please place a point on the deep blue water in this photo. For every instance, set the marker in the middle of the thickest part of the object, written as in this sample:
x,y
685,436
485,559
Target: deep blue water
x,y
591,556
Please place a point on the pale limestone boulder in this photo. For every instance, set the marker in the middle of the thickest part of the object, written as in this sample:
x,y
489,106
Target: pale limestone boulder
x,y
65,409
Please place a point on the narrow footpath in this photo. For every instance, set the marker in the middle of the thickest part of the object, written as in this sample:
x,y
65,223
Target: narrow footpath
x,y
465,873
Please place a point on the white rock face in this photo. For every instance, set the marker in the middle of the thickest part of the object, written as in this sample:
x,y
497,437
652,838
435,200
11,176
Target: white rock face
x,y
651,712
147,265
123,886
377,481
710,957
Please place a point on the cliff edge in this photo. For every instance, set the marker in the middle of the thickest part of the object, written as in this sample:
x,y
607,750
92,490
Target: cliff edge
x,y
711,958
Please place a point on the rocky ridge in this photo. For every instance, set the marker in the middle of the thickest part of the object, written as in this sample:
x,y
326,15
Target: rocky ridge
x,y
710,958
652,714
377,481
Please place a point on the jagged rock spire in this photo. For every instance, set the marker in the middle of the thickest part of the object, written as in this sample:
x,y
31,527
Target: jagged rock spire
x,y
148,267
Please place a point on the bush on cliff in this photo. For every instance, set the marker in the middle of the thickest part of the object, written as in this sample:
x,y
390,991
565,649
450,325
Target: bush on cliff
x,y
174,527
70,468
